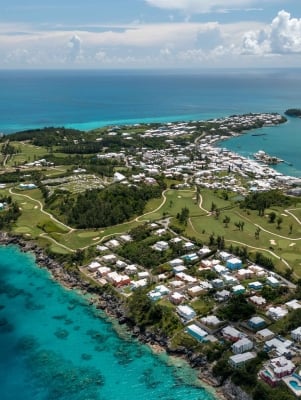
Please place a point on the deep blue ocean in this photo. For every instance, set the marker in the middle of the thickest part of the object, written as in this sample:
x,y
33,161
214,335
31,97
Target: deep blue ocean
x,y
55,346
89,99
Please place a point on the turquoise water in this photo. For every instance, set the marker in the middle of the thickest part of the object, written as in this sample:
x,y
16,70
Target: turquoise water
x,y
55,346
295,385
283,141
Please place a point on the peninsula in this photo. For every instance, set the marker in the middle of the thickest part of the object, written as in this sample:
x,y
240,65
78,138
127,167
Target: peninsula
x,y
193,247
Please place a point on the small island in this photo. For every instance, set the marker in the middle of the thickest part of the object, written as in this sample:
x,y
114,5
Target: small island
x,y
293,112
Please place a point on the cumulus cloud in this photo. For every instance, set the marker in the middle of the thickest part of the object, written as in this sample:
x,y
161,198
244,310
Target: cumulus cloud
x,y
282,36
75,48
201,6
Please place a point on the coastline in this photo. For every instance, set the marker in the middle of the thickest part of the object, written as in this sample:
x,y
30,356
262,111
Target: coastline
x,y
113,309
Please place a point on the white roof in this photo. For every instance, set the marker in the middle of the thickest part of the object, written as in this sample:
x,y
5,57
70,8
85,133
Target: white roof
x,y
265,332
239,358
196,329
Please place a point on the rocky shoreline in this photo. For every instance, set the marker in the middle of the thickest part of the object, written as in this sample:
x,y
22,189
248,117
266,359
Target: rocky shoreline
x,y
114,307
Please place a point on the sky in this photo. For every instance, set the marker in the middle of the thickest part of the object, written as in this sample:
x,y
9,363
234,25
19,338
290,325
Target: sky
x,y
105,34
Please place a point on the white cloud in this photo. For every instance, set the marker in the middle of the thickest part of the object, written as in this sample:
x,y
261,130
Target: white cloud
x,y
201,6
282,36
75,48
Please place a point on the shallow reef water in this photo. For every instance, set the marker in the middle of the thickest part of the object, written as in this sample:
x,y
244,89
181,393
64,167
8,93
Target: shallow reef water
x,y
60,347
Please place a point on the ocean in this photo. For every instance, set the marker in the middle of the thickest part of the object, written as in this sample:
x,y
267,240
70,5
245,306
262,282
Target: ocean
x,y
90,99
56,346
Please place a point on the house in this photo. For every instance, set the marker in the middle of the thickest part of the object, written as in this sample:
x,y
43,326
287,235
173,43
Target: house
x,y
244,273
195,291
186,312
258,301
179,268
161,246
256,323
265,334
118,280
280,346
176,298
276,312
273,282
118,177
293,304
109,259
197,332
234,263
103,271
112,244
176,262
217,283
239,360
191,258
211,320
238,289
131,269
281,367
296,334
204,251
220,269
93,266
121,264
186,278
255,285
230,280
141,283
224,255
188,246
231,334
158,292
143,275
222,295
27,186
101,248
242,346
125,238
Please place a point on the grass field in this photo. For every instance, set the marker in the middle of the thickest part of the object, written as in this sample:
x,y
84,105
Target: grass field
x,y
26,153
275,243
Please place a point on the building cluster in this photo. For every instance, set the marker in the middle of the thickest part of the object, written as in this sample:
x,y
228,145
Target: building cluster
x,y
231,278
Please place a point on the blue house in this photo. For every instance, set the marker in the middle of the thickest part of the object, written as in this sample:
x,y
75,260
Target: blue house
x,y
234,263
255,285
256,323
197,332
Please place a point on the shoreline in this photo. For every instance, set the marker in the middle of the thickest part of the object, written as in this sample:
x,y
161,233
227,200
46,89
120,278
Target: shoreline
x,y
113,309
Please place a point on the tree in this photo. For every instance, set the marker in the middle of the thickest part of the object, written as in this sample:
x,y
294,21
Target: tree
x,y
272,217
226,221
257,232
279,222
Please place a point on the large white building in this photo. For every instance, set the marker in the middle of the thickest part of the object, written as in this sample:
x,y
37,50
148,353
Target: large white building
x,y
242,346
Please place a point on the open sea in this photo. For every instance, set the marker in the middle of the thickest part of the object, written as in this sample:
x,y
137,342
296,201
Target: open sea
x,y
55,346
90,99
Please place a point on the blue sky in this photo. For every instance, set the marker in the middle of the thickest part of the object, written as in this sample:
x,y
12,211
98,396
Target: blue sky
x,y
149,33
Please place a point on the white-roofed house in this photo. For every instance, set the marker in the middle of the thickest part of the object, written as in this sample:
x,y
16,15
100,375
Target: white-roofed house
x,y
176,298
231,333
242,345
296,334
186,312
277,312
239,360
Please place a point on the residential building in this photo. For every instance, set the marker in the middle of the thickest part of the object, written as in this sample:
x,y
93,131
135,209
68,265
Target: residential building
x,y
231,334
234,263
265,334
211,320
242,346
176,298
256,323
272,281
296,334
255,285
277,312
238,289
196,332
258,301
239,360
186,312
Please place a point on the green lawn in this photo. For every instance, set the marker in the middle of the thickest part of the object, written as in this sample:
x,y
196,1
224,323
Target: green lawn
x,y
27,153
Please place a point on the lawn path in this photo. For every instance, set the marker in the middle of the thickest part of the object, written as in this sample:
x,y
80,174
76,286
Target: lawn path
x,y
42,209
